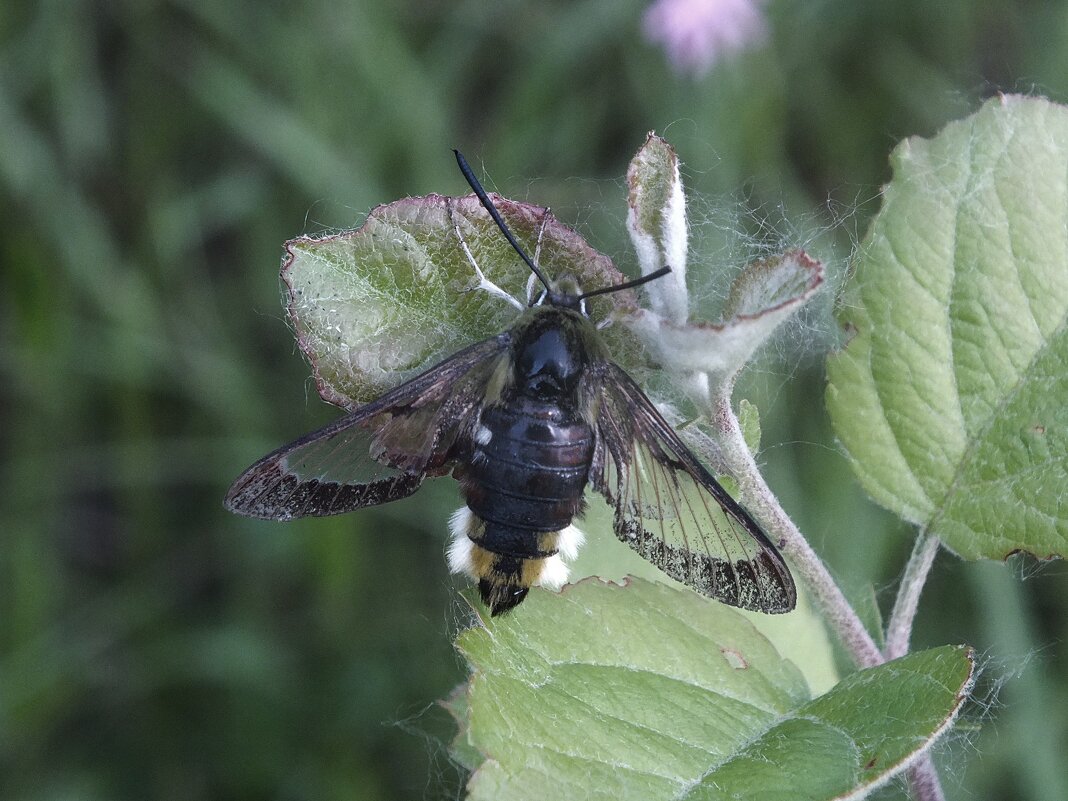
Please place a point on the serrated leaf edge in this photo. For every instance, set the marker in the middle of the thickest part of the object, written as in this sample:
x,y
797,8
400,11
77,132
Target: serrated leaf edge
x,y
884,778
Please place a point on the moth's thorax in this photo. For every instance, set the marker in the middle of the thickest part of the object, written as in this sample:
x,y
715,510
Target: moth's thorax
x,y
550,352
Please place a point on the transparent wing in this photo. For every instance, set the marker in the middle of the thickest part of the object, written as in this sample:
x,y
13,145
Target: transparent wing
x,y
672,511
379,453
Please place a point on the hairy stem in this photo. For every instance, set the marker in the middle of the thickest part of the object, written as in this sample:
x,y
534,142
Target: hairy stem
x,y
924,784
899,630
782,530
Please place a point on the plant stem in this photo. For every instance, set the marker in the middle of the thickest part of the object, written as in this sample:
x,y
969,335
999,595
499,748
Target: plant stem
x,y
922,777
899,630
924,784
782,530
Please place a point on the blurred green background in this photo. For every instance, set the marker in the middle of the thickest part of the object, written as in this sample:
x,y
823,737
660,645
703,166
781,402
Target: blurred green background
x,y
153,158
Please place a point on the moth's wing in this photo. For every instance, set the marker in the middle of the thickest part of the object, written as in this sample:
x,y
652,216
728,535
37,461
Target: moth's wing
x,y
378,453
672,511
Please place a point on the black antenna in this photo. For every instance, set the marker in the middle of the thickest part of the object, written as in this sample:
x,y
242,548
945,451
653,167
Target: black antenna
x,y
628,285
496,215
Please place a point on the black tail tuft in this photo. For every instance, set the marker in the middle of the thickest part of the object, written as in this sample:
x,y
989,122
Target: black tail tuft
x,y
501,597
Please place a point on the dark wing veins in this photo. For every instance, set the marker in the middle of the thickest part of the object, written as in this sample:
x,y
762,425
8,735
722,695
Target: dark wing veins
x,y
672,511
378,453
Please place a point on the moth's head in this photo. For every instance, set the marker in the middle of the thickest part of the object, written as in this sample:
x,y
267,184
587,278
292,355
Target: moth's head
x,y
563,293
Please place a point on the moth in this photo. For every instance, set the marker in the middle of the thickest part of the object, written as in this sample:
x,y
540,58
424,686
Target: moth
x,y
525,421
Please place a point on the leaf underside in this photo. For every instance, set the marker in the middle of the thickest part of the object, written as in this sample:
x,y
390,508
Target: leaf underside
x,y
950,396
378,305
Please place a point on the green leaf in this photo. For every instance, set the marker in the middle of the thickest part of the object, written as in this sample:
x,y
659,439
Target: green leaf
x,y
950,397
765,293
859,735
378,305
801,633
461,749
646,692
749,422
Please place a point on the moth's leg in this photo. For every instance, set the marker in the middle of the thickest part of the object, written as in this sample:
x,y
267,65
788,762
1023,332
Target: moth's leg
x,y
532,281
483,282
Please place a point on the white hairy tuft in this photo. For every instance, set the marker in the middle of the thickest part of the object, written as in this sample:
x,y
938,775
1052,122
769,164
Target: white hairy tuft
x,y
554,573
569,541
459,551
554,569
483,435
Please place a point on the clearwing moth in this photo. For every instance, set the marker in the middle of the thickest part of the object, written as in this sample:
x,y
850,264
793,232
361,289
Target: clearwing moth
x,y
525,421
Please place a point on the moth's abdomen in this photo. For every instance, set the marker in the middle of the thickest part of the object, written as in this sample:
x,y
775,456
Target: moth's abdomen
x,y
529,467
523,486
